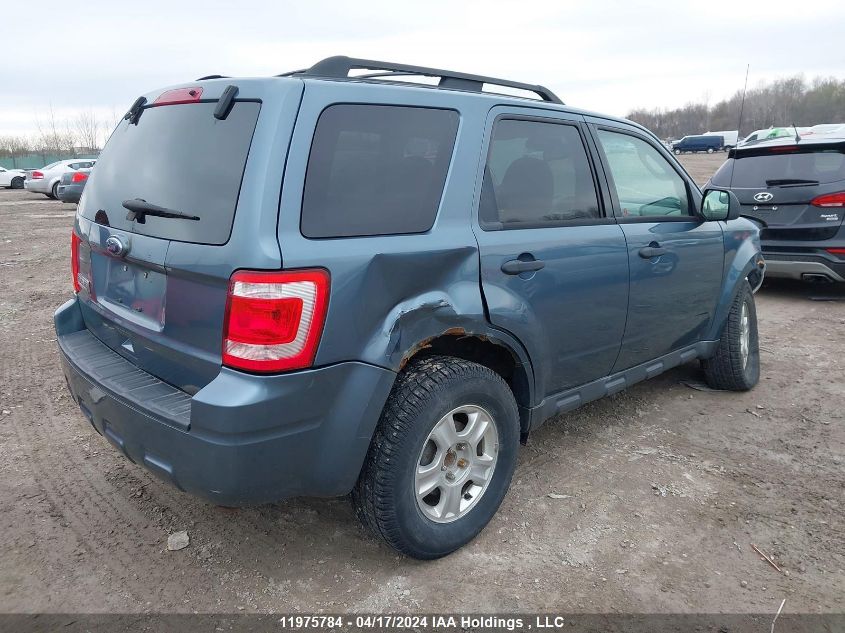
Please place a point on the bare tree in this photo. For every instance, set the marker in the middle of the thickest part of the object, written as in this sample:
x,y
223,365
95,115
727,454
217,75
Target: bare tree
x,y
781,102
87,129
15,145
51,138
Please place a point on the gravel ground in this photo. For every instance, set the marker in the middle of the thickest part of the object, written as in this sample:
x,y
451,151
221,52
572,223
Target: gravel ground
x,y
647,501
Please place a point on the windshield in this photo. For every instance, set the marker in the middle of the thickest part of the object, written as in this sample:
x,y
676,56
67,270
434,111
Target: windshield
x,y
179,157
823,166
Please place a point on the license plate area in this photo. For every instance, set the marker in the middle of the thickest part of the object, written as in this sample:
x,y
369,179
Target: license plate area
x,y
135,292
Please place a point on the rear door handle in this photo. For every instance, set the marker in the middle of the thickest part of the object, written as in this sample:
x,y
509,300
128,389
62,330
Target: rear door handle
x,y
647,252
517,266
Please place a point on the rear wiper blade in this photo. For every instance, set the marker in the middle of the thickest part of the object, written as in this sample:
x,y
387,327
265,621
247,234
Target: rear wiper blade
x,y
777,182
139,209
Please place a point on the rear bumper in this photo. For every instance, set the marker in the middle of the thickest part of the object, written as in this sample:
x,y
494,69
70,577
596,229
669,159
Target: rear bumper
x,y
37,186
798,258
70,193
791,266
241,439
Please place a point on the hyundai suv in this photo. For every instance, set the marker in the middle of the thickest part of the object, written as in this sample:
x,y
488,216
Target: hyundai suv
x,y
796,188
371,286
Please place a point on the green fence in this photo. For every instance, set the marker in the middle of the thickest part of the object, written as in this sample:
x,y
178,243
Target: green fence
x,y
38,159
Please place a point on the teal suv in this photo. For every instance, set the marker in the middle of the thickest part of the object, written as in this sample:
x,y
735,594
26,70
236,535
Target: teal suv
x,y
321,284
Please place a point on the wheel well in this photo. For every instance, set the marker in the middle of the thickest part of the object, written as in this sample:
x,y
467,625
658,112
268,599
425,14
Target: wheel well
x,y
755,278
485,352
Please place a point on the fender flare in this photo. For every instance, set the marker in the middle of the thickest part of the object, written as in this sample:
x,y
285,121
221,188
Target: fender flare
x,y
744,263
414,324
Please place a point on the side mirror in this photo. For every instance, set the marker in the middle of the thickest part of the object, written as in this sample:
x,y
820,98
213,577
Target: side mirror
x,y
719,204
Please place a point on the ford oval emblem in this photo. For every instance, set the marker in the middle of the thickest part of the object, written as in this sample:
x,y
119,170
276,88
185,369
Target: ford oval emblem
x,y
763,196
115,246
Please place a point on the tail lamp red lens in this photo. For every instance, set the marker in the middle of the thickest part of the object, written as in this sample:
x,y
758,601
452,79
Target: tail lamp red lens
x,y
74,260
179,95
79,177
36,175
830,200
274,320
839,252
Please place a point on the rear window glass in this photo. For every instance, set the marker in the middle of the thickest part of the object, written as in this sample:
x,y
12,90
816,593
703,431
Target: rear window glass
x,y
376,170
179,157
753,171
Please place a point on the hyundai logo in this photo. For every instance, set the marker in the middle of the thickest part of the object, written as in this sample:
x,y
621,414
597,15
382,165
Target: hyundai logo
x,y
115,246
763,196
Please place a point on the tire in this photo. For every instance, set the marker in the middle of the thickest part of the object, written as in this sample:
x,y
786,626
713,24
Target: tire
x,y
54,192
709,150
730,368
677,151
430,401
17,182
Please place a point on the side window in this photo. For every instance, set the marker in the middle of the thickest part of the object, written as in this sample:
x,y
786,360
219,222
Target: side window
x,y
537,175
376,170
646,183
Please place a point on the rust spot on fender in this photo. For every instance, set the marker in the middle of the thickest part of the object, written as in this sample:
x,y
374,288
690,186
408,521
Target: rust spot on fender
x,y
423,344
426,343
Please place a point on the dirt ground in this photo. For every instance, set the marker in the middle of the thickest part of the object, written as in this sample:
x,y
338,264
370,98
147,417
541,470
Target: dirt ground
x,y
659,491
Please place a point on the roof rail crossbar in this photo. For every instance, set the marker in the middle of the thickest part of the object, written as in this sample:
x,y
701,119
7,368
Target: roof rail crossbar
x,y
340,65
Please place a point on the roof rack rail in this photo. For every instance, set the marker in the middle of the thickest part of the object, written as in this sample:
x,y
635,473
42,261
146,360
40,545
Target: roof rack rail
x,y
340,65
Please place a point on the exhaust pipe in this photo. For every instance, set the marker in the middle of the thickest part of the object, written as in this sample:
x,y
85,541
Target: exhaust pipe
x,y
817,278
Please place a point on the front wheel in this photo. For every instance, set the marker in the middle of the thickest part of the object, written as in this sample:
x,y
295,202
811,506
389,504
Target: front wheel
x,y
677,151
709,150
736,364
441,459
54,192
17,183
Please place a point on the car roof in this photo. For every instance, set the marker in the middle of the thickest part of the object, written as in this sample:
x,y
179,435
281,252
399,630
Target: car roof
x,y
464,85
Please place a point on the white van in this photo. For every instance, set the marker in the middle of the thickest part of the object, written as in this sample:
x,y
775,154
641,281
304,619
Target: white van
x,y
730,136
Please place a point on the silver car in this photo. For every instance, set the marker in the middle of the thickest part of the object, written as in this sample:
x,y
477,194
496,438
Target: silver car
x,y
46,180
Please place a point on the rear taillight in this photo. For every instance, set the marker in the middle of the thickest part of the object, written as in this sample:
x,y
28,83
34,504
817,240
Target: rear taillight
x,y
179,95
839,252
36,175
74,260
79,177
830,200
274,320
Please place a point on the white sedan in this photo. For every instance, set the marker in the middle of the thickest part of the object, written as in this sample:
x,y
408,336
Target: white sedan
x,y
12,178
46,180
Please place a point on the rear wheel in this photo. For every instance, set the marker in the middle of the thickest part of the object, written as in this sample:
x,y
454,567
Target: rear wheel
x,y
441,459
54,192
736,364
17,183
709,150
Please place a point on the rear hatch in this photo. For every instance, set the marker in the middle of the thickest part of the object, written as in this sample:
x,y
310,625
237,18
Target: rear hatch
x,y
779,183
154,288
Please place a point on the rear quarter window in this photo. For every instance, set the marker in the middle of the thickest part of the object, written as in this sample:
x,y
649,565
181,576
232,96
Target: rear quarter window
x,y
376,170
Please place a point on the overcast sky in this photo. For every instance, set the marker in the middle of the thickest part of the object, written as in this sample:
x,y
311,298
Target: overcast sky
x,y
600,55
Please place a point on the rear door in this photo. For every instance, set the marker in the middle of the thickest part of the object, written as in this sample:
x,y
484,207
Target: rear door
x,y
154,288
554,268
676,259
